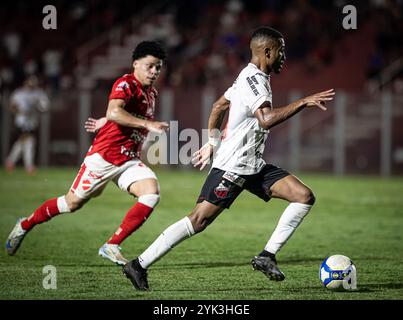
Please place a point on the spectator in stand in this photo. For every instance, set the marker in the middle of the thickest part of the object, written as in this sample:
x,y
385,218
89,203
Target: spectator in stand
x,y
26,103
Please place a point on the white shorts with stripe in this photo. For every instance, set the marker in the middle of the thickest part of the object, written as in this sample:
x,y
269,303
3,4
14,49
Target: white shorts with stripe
x,y
95,173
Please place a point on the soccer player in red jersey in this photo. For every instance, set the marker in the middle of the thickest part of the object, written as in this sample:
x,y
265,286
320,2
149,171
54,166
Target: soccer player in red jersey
x,y
114,155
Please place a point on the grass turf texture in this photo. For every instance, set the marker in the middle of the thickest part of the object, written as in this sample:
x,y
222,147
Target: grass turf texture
x,y
360,217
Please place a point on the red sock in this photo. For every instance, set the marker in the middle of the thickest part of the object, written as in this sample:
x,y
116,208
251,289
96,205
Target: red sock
x,y
44,213
134,218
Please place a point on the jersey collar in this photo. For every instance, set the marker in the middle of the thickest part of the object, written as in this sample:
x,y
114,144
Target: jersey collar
x,y
258,70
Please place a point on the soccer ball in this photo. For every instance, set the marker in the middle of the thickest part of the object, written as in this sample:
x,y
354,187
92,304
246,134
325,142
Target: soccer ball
x,y
338,273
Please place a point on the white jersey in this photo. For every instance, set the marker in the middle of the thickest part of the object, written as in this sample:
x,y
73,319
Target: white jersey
x,y
243,141
29,102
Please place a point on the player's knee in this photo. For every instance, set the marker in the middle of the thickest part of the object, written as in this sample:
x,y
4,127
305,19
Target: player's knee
x,y
74,207
306,196
199,222
74,204
144,187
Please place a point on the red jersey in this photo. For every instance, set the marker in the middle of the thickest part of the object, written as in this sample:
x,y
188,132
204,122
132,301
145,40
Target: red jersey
x,y
118,144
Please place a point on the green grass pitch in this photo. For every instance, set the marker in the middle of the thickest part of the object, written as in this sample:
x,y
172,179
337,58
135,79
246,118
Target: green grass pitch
x,y
361,217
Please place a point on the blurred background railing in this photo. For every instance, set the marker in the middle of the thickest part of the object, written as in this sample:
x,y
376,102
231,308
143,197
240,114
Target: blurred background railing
x,y
359,133
207,42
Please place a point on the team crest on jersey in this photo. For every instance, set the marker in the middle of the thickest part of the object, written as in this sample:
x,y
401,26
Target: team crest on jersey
x,y
221,191
86,184
122,86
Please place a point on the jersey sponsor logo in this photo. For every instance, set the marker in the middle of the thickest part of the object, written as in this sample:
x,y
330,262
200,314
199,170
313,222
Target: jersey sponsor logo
x,y
221,191
235,179
254,80
128,153
252,85
149,101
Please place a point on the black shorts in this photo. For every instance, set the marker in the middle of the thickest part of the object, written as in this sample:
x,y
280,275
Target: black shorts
x,y
20,131
223,187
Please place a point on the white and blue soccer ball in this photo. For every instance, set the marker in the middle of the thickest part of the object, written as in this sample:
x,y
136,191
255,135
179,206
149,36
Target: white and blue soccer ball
x,y
338,273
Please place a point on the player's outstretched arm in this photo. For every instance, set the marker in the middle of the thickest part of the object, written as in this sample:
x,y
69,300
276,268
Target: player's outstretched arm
x,y
269,117
93,125
118,114
202,156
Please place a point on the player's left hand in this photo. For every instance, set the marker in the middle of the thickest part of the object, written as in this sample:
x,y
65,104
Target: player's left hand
x,y
202,156
319,99
93,125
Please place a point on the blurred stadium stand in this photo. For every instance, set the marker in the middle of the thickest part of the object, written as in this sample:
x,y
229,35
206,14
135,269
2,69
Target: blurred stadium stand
x,y
207,43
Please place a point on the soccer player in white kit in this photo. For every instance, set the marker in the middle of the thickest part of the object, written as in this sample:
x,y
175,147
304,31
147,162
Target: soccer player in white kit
x,y
26,103
239,163
114,156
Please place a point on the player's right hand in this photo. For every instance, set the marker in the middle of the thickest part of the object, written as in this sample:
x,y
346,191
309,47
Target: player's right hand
x,y
93,125
156,126
202,156
319,99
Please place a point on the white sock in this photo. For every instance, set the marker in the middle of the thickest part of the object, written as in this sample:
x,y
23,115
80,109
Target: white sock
x,y
29,152
169,238
62,205
150,200
288,223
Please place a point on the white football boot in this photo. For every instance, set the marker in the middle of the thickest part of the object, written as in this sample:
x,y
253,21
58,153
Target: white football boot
x,y
112,252
15,238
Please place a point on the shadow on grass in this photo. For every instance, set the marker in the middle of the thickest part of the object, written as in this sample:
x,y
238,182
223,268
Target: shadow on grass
x,y
78,264
242,262
199,265
212,289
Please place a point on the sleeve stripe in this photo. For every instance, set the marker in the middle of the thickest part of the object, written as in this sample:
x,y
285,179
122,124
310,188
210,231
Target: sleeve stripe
x,y
258,103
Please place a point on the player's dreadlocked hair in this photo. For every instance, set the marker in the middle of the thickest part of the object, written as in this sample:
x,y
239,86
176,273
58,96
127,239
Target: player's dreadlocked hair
x,y
151,48
266,32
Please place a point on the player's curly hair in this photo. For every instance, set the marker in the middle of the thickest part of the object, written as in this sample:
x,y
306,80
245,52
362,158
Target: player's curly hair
x,y
152,48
